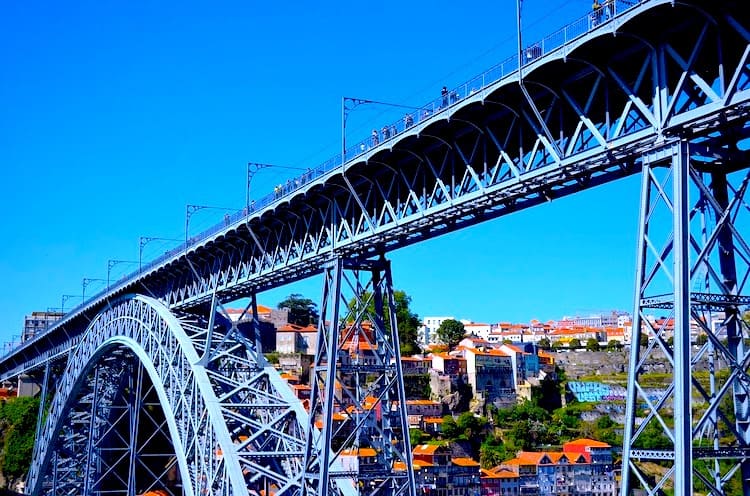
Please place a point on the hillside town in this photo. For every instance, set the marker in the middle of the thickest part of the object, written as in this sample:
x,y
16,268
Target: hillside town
x,y
492,368
467,394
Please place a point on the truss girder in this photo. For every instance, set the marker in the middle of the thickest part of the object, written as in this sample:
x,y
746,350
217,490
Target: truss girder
x,y
493,157
693,264
593,108
234,424
357,388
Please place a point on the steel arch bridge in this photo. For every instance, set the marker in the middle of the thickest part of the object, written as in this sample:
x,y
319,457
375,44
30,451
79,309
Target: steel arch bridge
x,y
662,89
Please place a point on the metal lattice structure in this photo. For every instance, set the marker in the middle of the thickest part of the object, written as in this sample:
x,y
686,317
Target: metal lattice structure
x,y
661,86
358,398
233,423
694,265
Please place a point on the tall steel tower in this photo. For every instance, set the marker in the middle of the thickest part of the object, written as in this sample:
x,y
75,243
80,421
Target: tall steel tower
x,y
358,402
692,435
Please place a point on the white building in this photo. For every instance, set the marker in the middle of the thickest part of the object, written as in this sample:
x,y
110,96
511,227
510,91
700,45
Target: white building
x,y
427,332
478,330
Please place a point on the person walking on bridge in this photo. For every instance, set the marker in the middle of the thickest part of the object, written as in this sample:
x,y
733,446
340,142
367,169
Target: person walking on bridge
x,y
596,13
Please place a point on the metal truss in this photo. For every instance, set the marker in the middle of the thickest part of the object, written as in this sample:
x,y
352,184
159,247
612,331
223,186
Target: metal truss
x,y
693,271
596,110
358,398
583,116
493,155
145,391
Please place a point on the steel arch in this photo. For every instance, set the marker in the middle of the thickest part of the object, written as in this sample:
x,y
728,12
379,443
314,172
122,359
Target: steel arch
x,y
219,427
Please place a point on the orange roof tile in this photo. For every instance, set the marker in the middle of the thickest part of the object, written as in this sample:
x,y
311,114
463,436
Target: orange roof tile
x,y
464,462
262,309
425,449
499,473
588,442
526,458
358,452
289,328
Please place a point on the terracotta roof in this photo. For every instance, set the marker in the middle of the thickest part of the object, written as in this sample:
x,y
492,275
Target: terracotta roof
x,y
464,462
362,345
433,420
526,458
358,452
491,352
587,442
555,457
289,328
238,311
425,449
499,473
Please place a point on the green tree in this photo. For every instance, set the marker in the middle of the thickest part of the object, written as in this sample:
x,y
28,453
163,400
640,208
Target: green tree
x,y
574,344
557,346
302,311
19,417
417,436
592,344
544,343
272,357
451,332
492,452
448,428
408,322
644,339
614,345
701,339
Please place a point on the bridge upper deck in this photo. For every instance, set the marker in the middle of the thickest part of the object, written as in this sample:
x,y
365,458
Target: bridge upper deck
x,y
495,144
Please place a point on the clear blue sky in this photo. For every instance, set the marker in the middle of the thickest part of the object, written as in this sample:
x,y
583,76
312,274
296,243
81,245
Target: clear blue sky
x,y
116,115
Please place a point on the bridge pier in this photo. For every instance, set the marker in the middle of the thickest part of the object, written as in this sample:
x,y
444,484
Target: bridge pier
x,y
358,401
693,264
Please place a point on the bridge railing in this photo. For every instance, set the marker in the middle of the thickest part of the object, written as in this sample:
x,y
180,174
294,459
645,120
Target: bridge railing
x,y
454,96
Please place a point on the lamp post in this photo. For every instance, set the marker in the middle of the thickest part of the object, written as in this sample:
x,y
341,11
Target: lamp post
x,y
65,298
520,43
143,241
112,263
348,104
192,209
255,167
85,283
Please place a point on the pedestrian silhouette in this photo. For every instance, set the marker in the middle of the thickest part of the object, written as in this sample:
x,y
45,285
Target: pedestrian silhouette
x,y
444,94
596,13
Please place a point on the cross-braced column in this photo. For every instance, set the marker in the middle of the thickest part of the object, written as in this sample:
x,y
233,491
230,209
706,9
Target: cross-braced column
x,y
693,264
359,433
